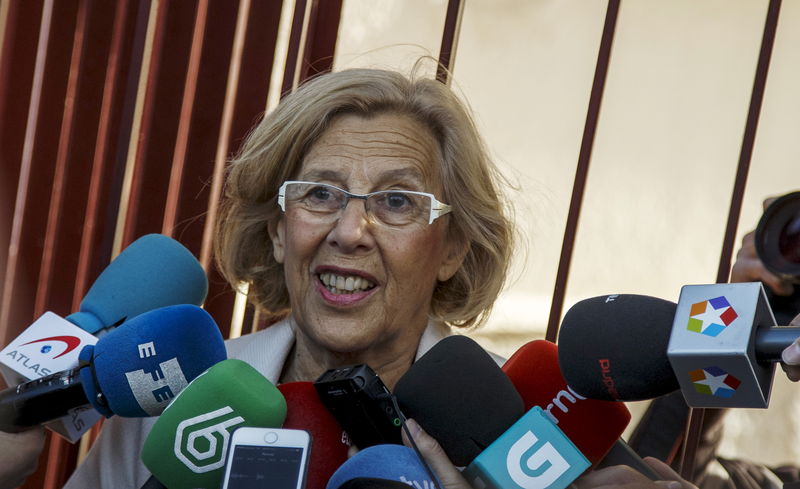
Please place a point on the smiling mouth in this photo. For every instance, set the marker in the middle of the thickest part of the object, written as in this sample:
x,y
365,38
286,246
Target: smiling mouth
x,y
344,284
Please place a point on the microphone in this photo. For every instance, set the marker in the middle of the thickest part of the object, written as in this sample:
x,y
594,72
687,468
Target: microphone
x,y
613,348
593,426
133,371
330,443
718,344
187,445
396,463
460,397
154,271
457,383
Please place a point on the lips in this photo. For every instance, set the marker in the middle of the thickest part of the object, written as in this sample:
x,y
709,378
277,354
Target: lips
x,y
344,284
344,287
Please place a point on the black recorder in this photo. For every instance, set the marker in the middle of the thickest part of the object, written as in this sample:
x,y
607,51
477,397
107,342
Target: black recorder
x,y
361,403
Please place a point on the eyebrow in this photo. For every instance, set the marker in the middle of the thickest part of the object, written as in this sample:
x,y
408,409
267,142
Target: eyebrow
x,y
408,174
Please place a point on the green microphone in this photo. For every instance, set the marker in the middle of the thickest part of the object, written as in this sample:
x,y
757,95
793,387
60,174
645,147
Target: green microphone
x,y
187,446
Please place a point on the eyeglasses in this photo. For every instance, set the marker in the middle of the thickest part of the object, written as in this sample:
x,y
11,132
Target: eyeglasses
x,y
393,207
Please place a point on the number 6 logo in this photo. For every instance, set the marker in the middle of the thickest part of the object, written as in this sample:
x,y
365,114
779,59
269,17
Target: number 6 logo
x,y
213,453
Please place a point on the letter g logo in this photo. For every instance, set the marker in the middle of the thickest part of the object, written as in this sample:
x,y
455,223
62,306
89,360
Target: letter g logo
x,y
209,454
533,467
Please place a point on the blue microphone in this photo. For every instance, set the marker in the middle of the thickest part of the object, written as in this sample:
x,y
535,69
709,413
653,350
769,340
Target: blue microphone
x,y
134,371
388,462
154,271
533,452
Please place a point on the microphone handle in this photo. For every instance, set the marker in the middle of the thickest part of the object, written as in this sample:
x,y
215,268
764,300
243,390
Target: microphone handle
x,y
770,342
622,454
153,483
39,401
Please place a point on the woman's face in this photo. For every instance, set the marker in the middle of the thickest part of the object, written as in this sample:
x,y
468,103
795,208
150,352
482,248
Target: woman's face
x,y
388,273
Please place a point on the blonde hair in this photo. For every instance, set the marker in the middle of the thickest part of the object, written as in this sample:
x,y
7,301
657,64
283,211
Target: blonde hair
x,y
274,151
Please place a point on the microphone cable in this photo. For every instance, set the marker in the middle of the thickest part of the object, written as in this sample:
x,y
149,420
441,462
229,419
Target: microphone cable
x,y
428,469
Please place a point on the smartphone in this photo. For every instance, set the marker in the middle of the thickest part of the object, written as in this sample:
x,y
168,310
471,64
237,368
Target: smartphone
x,y
273,458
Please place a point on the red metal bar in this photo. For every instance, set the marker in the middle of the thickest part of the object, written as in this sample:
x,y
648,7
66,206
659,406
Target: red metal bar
x,y
582,170
200,122
120,84
321,34
294,50
26,244
17,61
694,427
160,119
251,66
452,29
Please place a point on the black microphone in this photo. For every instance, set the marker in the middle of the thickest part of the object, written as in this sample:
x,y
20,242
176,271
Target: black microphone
x,y
459,396
462,398
719,344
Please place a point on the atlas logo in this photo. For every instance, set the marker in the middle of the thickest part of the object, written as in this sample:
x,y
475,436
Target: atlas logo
x,y
711,317
70,342
201,442
534,465
714,381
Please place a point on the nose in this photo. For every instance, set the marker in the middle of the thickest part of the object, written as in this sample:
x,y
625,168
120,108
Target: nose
x,y
352,230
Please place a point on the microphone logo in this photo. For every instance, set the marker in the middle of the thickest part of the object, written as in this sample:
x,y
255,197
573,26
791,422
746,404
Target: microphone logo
x,y
714,381
212,431
154,390
524,460
70,343
711,317
534,467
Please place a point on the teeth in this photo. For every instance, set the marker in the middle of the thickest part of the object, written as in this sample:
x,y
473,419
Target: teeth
x,y
340,284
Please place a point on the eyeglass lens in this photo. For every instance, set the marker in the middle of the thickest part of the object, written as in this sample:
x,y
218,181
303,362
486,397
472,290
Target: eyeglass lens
x,y
395,207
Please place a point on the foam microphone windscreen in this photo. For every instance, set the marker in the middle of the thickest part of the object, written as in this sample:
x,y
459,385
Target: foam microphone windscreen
x,y
459,395
614,347
154,271
305,411
593,426
187,445
138,368
390,462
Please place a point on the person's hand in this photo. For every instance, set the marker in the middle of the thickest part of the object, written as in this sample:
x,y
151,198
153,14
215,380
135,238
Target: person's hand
x,y
19,455
621,476
749,268
790,358
433,453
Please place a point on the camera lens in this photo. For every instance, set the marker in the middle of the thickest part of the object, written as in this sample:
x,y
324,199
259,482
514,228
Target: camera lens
x,y
778,237
789,240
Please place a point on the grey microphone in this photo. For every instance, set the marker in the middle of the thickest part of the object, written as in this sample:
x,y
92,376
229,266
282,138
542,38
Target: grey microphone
x,y
724,345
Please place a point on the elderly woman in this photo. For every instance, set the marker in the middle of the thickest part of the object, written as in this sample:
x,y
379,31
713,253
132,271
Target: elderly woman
x,y
366,209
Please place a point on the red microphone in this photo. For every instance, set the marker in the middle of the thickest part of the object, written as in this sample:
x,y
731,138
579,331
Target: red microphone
x,y
593,426
329,442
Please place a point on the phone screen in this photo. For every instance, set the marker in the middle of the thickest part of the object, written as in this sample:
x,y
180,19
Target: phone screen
x,y
257,467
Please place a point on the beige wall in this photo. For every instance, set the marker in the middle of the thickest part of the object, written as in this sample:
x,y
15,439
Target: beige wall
x,y
665,154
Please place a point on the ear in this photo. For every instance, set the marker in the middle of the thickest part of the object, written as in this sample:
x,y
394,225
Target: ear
x,y
277,234
456,252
